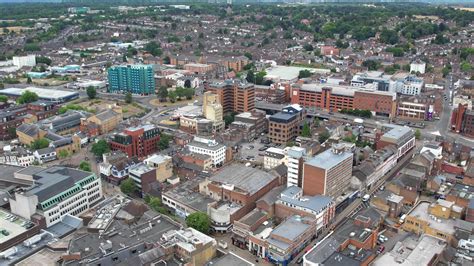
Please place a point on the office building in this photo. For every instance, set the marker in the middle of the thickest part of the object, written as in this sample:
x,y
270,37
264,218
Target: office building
x,y
137,79
211,147
418,66
21,61
285,125
234,96
337,97
273,157
163,165
403,138
57,191
137,141
328,173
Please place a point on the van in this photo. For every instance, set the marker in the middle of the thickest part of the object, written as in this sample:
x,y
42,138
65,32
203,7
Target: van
x,y
402,219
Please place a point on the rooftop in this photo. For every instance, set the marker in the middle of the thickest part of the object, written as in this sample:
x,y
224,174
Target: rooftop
x,y
315,203
397,134
412,252
290,229
186,193
10,229
444,225
230,259
328,159
289,72
247,179
45,94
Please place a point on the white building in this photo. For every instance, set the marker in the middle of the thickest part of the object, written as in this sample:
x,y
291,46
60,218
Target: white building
x,y
406,84
295,163
274,157
21,61
209,147
418,66
57,191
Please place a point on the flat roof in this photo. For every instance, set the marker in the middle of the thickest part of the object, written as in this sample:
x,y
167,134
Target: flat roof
x,y
290,72
335,89
12,228
45,94
291,229
329,159
247,179
443,225
412,252
186,193
231,259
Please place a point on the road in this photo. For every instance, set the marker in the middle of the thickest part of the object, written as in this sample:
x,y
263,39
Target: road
x,y
357,205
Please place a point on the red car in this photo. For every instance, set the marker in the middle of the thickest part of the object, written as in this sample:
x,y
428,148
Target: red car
x,y
380,249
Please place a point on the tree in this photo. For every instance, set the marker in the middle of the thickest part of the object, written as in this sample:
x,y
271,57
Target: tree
x,y
371,64
229,118
306,131
27,97
188,93
100,148
248,55
250,76
259,78
164,141
172,96
39,144
153,48
63,154
91,92
128,186
199,221
162,92
43,60
417,134
3,98
308,47
389,36
28,80
323,137
304,74
128,97
85,166
316,121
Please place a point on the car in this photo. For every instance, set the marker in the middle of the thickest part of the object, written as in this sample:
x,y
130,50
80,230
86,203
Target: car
x,y
380,249
262,149
382,188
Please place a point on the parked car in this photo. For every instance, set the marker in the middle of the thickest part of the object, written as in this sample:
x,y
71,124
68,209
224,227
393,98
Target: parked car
x,y
380,249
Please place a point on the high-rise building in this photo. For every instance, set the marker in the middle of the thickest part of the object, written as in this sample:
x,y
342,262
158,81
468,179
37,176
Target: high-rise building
x,y
295,158
328,173
462,120
234,96
212,107
285,125
137,79
137,141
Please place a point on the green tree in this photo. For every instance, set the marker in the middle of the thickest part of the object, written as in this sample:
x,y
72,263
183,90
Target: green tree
x,y
229,118
100,148
63,154
260,77
128,97
172,96
417,134
248,55
39,144
163,92
304,74
91,92
306,131
199,221
128,186
389,36
85,166
164,141
3,98
153,48
250,76
188,93
316,121
28,80
27,97
43,60
323,136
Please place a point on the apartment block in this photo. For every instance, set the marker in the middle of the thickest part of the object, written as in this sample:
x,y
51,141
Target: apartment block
x,y
137,79
211,147
328,173
234,96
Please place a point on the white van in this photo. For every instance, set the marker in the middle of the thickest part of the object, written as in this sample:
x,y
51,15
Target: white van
x,y
366,198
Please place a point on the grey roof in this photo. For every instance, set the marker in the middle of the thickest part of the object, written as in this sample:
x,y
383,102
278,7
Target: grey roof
x,y
329,159
46,150
206,146
28,129
49,181
62,142
244,178
315,203
290,229
283,117
230,259
106,115
273,195
53,136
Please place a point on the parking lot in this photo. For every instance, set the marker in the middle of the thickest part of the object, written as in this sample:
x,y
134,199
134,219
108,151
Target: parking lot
x,y
252,152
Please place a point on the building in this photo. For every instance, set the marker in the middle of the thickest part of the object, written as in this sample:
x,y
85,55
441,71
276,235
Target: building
x,y
163,165
190,245
289,238
292,202
418,66
67,123
115,166
414,111
57,191
328,173
137,141
256,118
338,97
107,120
295,158
21,61
236,188
462,121
378,78
137,79
403,138
144,176
211,147
285,125
273,157
374,168
15,231
198,68
58,96
234,96
407,84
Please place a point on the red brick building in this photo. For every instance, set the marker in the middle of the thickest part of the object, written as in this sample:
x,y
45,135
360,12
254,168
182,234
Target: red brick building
x,y
234,96
137,141
462,121
336,98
